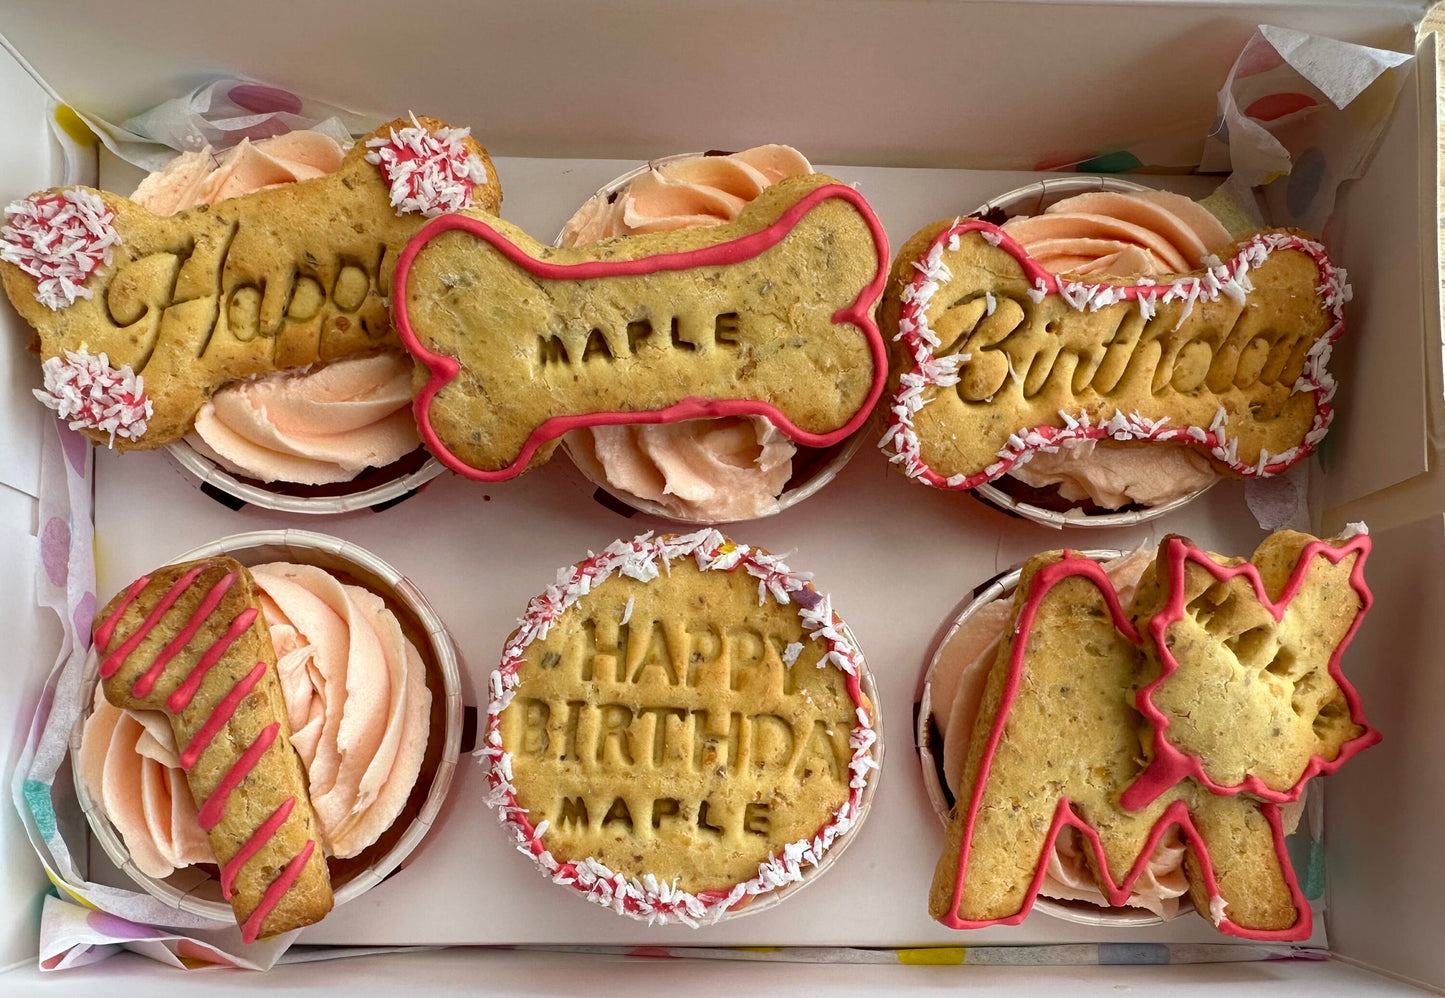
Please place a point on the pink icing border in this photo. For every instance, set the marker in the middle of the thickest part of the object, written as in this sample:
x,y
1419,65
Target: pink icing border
x,y
445,368
1170,763
1176,813
646,897
1225,278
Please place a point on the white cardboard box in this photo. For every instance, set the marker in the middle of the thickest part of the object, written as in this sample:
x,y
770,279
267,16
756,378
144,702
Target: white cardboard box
x,y
891,88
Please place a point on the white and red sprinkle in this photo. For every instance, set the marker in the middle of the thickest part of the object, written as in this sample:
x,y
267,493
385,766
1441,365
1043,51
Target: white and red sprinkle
x,y
90,394
429,172
59,239
645,897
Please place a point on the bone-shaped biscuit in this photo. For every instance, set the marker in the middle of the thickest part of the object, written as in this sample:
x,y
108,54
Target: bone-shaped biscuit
x,y
190,640
1248,693
283,278
771,315
1057,743
998,359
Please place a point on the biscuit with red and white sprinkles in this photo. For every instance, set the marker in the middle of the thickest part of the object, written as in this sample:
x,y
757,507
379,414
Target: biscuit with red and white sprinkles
x,y
680,725
282,279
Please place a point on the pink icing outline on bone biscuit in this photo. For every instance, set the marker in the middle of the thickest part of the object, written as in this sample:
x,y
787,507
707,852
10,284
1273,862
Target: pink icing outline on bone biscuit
x,y
445,368
1332,292
1170,763
1176,813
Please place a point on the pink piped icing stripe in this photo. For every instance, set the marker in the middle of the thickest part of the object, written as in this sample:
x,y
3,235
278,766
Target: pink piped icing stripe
x,y
106,630
1170,763
147,680
214,808
221,715
1043,581
253,845
930,371
251,927
182,695
444,369
112,662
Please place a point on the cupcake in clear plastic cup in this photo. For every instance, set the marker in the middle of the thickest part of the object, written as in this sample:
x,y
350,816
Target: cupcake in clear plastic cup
x,y
371,488
718,470
330,439
1104,226
331,607
952,689
682,730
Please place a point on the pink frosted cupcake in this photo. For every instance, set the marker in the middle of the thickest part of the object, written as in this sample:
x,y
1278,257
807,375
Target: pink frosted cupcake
x,y
705,470
1105,227
371,685
322,440
953,688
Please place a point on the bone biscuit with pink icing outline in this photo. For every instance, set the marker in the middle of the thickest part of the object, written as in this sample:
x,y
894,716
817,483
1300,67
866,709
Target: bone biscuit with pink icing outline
x,y
141,317
996,359
771,314
1057,742
1248,694
190,640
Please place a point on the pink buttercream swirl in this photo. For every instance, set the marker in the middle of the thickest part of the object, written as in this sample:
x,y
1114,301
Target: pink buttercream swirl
x,y
206,177
686,193
358,707
733,468
1118,234
315,427
312,427
957,683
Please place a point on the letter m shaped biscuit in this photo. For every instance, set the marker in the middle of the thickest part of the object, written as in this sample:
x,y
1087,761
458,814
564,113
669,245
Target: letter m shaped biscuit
x,y
1057,742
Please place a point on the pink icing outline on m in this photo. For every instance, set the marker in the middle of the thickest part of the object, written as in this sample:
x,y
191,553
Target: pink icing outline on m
x,y
1172,764
444,369
1332,292
1177,812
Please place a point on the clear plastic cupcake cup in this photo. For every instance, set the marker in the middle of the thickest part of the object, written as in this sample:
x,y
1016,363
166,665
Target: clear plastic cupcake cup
x,y
1029,200
196,889
813,468
374,488
928,736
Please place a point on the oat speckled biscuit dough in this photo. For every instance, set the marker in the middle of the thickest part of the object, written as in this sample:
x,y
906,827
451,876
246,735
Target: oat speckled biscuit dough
x,y
996,359
679,725
139,318
1057,742
1246,691
190,640
770,314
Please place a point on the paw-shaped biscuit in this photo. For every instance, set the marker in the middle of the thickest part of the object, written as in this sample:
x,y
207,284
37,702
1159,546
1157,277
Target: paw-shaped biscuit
x,y
770,315
1248,694
141,317
190,640
997,359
